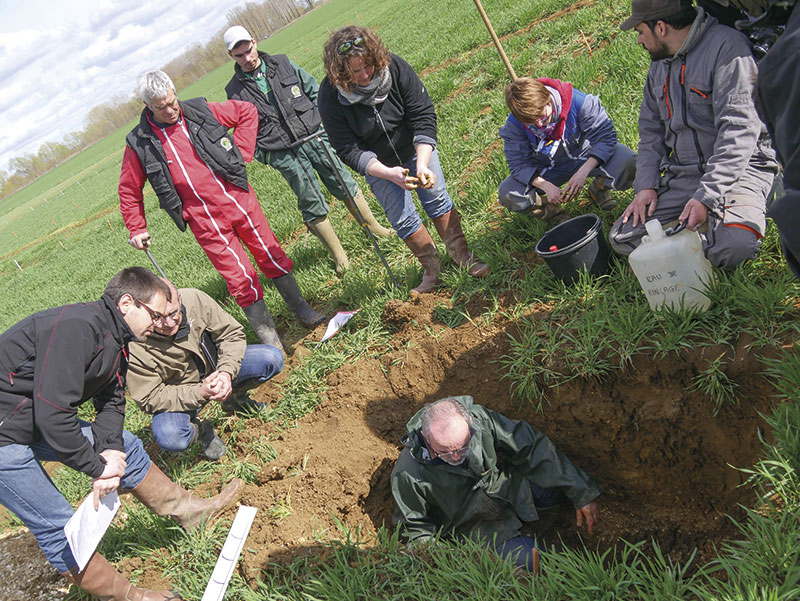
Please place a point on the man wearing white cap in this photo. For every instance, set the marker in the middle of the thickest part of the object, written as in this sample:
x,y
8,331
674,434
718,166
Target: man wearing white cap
x,y
286,98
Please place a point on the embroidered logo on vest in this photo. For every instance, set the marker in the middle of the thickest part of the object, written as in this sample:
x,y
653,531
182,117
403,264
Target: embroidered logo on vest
x,y
295,91
226,144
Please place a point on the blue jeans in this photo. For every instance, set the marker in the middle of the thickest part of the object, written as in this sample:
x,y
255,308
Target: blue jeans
x,y
618,172
520,548
28,492
174,431
398,204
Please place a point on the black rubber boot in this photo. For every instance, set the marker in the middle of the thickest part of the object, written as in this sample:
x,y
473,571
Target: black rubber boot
x,y
288,289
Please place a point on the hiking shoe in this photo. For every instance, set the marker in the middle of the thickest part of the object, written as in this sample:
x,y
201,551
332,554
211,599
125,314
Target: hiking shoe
x,y
240,402
551,214
213,447
601,195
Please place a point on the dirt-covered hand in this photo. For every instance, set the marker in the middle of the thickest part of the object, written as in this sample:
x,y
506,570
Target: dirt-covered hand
x,y
574,185
427,178
589,513
411,182
552,192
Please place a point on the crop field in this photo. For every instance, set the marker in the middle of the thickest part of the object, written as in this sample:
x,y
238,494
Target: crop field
x,y
690,423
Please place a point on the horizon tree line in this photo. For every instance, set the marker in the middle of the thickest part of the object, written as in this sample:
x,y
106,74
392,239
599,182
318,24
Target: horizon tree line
x,y
260,18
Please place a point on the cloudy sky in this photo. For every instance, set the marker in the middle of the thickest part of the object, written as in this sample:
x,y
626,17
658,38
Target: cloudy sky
x,y
59,58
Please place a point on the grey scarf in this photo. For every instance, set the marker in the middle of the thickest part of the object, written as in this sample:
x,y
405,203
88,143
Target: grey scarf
x,y
371,94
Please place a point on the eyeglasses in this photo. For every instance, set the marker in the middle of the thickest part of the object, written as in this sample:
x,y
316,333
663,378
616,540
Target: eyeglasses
x,y
545,117
346,47
454,457
245,53
158,318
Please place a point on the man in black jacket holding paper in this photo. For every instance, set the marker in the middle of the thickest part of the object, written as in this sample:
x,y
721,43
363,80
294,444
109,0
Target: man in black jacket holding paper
x,y
51,363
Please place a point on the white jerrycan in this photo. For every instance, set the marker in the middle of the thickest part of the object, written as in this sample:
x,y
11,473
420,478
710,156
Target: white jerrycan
x,y
672,268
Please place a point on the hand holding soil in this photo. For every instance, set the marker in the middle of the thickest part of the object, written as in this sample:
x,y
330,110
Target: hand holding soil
x,y
426,178
412,183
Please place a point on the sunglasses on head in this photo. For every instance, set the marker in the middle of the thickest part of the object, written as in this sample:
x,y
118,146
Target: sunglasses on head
x,y
345,47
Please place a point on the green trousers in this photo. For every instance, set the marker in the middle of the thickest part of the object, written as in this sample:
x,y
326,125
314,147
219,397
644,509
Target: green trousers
x,y
298,166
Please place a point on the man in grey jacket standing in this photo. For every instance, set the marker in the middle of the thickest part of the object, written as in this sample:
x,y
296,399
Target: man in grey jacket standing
x,y
705,159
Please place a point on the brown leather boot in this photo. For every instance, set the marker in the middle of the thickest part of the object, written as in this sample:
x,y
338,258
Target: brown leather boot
x,y
163,497
449,228
421,244
102,580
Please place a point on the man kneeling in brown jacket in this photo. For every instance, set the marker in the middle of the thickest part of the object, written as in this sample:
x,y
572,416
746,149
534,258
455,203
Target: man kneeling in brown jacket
x,y
197,355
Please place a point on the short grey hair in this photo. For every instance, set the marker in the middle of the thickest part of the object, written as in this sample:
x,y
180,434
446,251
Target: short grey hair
x,y
153,85
442,410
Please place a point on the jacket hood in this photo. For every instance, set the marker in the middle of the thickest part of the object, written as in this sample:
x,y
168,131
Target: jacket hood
x,y
701,22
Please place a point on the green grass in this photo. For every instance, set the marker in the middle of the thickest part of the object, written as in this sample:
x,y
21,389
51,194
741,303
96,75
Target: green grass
x,y
590,330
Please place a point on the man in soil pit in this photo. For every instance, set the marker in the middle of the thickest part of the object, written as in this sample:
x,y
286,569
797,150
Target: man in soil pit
x,y
469,471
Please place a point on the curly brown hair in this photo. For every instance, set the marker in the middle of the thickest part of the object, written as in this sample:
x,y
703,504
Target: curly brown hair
x,y
337,66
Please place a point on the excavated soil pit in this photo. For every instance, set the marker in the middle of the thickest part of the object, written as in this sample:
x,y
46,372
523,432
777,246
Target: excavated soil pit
x,y
662,457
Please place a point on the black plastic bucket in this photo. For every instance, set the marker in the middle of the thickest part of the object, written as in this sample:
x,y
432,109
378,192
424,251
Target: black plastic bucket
x,y
579,244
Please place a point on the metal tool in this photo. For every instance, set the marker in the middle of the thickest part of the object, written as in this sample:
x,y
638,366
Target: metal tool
x,y
207,344
146,244
350,201
155,264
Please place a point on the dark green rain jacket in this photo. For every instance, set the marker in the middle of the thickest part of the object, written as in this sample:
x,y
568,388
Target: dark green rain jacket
x,y
489,496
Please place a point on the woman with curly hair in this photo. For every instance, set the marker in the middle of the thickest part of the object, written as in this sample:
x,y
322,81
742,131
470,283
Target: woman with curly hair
x,y
381,122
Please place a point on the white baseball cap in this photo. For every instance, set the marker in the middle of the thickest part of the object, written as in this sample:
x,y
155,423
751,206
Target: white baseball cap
x,y
234,35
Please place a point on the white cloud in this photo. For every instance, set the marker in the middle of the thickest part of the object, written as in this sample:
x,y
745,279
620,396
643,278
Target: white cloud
x,y
84,54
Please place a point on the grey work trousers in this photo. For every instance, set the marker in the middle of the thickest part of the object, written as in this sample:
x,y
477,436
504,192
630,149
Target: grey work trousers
x,y
735,225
